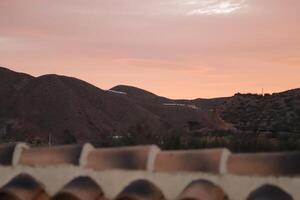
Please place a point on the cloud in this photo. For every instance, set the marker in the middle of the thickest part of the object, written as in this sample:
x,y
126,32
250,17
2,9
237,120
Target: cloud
x,y
214,7
163,65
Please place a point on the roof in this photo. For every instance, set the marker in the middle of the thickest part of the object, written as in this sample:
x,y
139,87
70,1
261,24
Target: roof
x,y
82,172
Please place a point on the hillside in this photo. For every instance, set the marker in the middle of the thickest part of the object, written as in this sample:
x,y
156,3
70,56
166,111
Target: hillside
x,y
279,112
71,110
274,117
173,112
10,83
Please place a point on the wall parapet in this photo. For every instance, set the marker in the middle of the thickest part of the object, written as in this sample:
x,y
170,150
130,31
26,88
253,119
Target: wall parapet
x,y
171,171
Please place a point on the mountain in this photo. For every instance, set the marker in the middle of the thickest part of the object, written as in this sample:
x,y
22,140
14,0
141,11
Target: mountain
x,y
279,112
71,110
67,109
10,83
141,95
276,113
176,113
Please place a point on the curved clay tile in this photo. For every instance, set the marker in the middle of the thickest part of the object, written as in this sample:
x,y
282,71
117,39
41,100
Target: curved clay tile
x,y
202,190
130,158
141,190
269,192
264,164
10,153
69,154
6,154
208,160
80,188
23,187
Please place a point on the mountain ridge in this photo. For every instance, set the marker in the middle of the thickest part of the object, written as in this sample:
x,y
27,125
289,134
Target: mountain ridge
x,y
73,110
70,109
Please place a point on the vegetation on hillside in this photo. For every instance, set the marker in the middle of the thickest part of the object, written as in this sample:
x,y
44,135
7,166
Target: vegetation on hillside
x,y
67,110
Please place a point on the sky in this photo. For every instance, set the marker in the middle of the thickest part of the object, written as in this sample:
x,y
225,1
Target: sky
x,y
174,48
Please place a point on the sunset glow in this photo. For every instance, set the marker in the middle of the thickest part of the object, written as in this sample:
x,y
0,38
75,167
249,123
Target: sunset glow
x,y
214,7
175,48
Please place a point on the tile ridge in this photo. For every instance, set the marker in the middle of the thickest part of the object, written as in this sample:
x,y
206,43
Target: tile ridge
x,y
130,147
275,153
193,150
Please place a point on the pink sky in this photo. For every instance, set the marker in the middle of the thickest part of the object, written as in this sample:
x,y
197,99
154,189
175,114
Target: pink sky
x,y
175,48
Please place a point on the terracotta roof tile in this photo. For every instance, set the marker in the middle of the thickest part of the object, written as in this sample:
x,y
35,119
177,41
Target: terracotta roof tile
x,y
264,164
6,154
80,188
211,160
52,156
10,153
269,192
141,190
23,187
130,158
202,189
150,158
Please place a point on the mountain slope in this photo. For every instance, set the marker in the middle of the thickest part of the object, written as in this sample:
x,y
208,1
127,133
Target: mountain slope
x,y
72,110
67,107
279,112
10,83
175,113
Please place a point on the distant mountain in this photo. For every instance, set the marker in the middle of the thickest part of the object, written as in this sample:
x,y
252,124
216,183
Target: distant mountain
x,y
172,112
142,96
69,110
279,112
10,84
177,113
